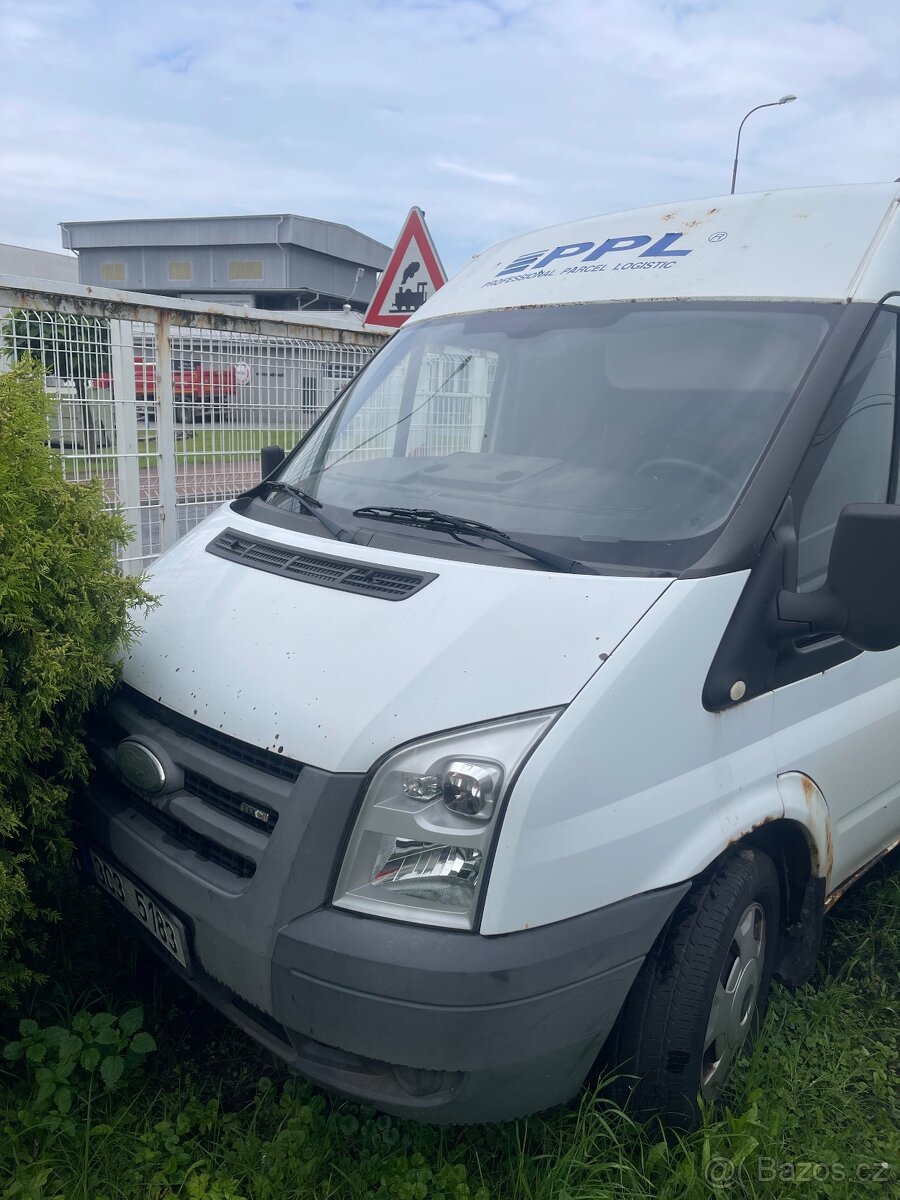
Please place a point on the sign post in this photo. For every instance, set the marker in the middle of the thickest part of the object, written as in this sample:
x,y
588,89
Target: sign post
x,y
413,273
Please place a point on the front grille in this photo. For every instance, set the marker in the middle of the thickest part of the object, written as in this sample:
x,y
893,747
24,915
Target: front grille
x,y
201,845
278,765
366,579
250,812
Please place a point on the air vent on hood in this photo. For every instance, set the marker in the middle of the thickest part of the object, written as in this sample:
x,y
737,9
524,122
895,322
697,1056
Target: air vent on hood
x,y
366,579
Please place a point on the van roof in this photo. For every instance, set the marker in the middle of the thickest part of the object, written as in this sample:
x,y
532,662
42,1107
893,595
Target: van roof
x,y
822,243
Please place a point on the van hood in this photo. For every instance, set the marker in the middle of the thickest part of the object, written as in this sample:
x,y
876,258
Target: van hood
x,y
336,679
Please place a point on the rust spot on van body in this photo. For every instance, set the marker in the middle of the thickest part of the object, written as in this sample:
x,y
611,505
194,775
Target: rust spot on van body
x,y
833,897
829,849
810,798
738,837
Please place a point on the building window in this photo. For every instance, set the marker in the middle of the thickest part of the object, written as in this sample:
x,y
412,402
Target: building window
x,y
112,272
180,271
245,268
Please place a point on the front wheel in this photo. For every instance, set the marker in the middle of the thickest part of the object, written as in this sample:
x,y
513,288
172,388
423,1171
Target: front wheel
x,y
701,992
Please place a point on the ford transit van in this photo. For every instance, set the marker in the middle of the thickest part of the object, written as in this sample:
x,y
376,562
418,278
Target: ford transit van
x,y
548,693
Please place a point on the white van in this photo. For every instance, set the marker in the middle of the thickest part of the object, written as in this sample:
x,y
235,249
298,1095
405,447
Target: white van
x,y
550,687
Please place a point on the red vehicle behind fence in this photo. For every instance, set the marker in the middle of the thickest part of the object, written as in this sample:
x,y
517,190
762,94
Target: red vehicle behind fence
x,y
199,391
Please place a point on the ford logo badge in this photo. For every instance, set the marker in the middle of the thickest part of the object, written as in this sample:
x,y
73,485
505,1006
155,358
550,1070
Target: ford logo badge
x,y
140,767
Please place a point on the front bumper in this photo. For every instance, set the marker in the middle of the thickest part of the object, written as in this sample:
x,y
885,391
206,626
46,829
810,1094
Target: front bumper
x,y
434,1024
454,1027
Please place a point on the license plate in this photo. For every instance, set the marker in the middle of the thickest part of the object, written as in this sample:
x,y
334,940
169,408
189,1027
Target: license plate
x,y
162,925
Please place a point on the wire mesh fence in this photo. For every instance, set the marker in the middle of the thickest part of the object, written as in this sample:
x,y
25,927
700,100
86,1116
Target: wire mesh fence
x,y
170,405
446,411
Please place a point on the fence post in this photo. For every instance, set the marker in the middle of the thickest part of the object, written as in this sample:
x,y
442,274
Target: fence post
x,y
286,367
125,434
165,433
7,350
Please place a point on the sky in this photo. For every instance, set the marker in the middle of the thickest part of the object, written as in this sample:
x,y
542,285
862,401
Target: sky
x,y
494,116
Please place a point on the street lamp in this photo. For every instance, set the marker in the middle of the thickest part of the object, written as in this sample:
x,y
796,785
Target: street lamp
x,y
771,104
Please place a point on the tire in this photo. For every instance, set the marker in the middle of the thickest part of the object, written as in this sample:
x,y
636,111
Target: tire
x,y
718,947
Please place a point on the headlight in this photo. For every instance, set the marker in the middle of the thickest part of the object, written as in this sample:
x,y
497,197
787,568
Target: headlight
x,y
420,843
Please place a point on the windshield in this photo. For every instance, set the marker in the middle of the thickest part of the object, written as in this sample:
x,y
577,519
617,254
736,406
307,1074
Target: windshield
x,y
613,433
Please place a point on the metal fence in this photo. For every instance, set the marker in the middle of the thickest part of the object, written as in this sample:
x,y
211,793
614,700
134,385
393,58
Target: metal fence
x,y
451,389
169,402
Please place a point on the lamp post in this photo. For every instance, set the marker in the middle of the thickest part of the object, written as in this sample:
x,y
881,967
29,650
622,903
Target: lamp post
x,y
737,148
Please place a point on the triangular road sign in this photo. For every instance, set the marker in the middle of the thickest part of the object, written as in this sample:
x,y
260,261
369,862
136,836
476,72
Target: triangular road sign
x,y
413,273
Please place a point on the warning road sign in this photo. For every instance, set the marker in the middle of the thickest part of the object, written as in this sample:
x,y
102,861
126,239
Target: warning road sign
x,y
413,273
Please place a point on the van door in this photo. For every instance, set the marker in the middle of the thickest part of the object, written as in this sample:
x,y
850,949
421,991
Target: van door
x,y
837,709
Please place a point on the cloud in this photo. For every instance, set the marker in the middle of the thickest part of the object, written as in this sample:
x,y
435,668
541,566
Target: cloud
x,y
474,173
177,58
495,116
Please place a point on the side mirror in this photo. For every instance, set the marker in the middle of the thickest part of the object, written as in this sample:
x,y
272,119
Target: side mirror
x,y
270,459
860,599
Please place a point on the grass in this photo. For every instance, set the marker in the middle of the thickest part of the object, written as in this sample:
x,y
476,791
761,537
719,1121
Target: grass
x,y
204,446
208,1115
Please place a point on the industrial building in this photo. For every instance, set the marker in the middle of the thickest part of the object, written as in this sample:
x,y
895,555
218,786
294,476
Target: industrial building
x,y
280,261
26,263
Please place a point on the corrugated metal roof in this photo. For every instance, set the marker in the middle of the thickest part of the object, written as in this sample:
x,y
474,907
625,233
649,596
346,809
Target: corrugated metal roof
x,y
324,237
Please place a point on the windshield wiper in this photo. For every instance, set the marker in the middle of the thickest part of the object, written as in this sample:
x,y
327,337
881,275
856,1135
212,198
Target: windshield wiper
x,y
309,504
426,518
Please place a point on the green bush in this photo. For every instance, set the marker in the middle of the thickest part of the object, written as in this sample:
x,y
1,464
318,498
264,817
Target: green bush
x,y
63,613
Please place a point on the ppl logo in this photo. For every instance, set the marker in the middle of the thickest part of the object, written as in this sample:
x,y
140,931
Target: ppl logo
x,y
591,252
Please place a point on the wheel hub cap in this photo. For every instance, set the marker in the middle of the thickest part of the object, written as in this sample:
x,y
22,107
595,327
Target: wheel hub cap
x,y
734,1000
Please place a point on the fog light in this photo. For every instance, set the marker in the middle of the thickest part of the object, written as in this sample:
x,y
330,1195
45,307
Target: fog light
x,y
470,788
427,871
416,1081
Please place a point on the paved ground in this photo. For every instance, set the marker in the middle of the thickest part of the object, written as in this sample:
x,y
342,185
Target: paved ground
x,y
197,482
199,490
